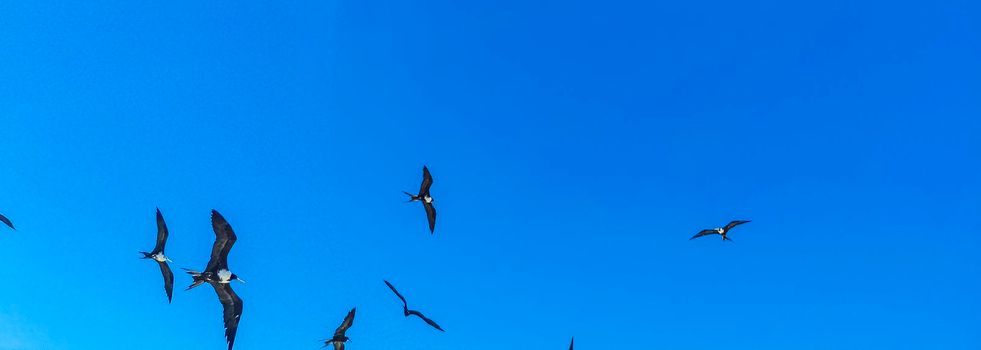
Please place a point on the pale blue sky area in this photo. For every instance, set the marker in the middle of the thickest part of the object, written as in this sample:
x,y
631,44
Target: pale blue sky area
x,y
576,146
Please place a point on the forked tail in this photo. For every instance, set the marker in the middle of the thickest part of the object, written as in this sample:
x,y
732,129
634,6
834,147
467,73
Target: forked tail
x,y
146,255
198,278
412,197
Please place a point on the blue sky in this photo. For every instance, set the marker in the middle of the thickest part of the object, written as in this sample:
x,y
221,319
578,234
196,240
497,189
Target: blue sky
x,y
575,147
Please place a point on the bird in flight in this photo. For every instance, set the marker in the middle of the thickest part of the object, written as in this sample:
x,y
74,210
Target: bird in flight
x,y
5,220
218,276
407,312
425,198
339,335
158,255
217,270
720,231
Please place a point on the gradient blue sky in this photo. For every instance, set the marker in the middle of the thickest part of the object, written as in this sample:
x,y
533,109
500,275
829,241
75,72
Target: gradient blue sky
x,y
575,145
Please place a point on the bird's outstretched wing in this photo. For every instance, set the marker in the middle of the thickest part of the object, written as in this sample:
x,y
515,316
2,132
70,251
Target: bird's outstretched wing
x,y
162,234
390,286
571,343
427,181
704,233
224,240
5,220
232,306
734,223
342,329
168,279
431,216
424,318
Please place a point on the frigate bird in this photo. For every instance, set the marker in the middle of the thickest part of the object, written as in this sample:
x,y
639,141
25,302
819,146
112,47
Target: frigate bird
x,y
5,220
218,276
720,231
572,343
407,312
340,336
424,197
217,270
158,255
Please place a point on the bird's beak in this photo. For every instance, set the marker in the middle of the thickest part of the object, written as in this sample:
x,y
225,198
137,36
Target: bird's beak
x,y
240,280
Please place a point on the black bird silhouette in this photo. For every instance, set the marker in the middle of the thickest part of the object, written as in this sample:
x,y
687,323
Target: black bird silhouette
x,y
407,312
219,277
5,220
720,231
158,255
217,269
425,198
339,335
572,342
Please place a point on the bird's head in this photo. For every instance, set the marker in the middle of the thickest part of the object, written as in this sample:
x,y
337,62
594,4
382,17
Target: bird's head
x,y
235,277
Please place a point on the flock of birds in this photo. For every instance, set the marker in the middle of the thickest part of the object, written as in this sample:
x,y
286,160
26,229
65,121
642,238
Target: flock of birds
x,y
219,276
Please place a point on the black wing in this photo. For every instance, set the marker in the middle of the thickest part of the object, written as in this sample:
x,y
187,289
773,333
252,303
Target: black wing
x,y
430,215
734,223
424,318
168,280
5,220
224,239
704,233
348,322
572,343
396,293
162,234
427,181
232,306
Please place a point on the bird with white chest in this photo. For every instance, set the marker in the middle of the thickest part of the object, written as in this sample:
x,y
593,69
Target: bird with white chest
x,y
220,277
158,255
217,270
426,199
722,231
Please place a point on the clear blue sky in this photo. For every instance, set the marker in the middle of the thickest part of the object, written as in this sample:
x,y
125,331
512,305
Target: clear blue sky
x,y
575,146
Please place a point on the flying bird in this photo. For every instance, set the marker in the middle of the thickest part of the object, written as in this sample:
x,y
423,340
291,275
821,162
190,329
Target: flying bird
x,y
158,255
425,198
407,312
339,335
217,270
219,276
720,231
5,220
